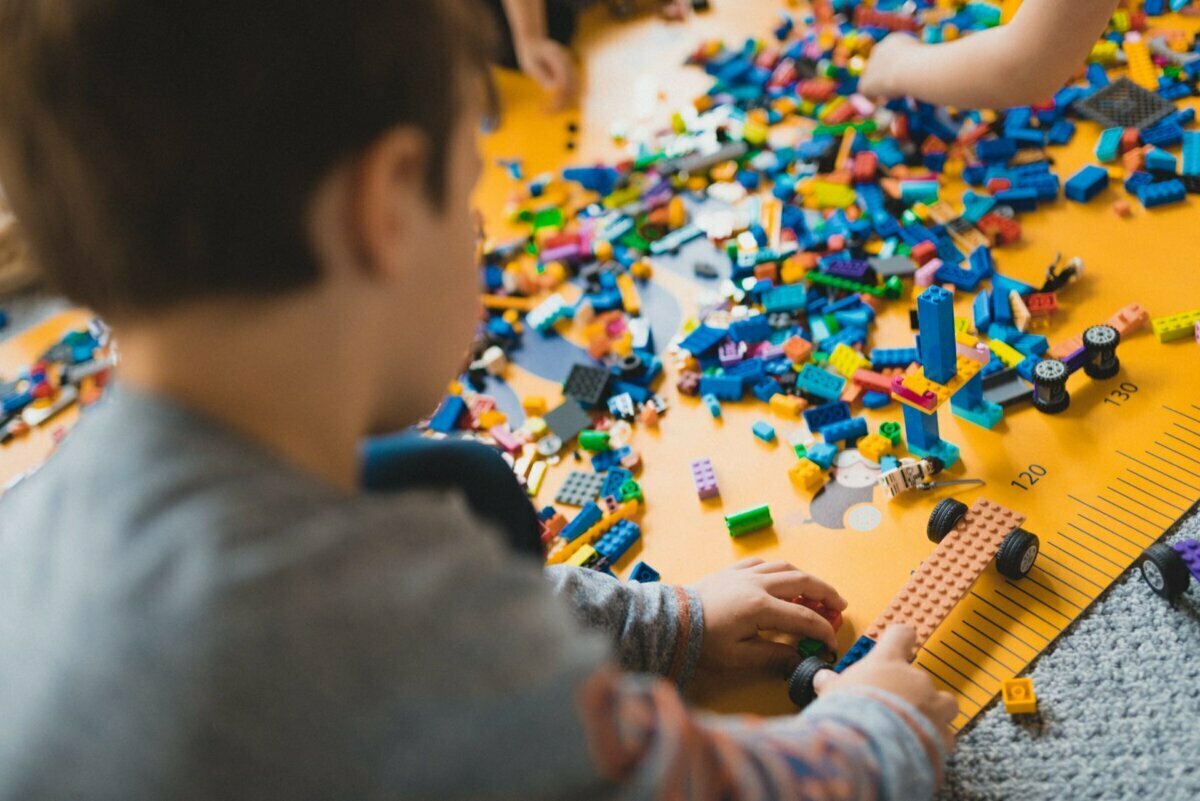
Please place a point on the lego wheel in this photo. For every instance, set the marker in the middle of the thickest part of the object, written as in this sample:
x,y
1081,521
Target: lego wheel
x,y
1017,554
1164,570
800,685
944,518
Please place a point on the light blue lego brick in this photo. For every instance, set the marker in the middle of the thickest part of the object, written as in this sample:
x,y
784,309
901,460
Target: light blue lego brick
x,y
702,340
723,387
764,431
812,380
851,429
1158,160
788,298
888,462
714,405
986,414
819,329
1002,283
587,517
1030,344
975,207
1191,153
1108,144
936,345
945,451
822,454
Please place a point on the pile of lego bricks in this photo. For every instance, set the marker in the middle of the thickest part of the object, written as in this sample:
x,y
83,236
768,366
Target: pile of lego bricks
x,y
826,205
75,369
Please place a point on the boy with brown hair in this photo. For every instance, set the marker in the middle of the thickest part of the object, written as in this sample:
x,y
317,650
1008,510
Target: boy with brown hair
x,y
197,600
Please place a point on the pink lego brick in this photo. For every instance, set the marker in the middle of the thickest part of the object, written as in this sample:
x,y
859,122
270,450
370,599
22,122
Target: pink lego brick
x,y
505,438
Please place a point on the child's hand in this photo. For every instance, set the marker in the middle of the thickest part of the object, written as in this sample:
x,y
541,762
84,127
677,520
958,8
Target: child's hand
x,y
887,667
551,65
888,63
750,596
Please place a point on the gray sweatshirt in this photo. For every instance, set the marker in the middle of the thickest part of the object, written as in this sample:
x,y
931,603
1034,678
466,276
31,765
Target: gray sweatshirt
x,y
185,616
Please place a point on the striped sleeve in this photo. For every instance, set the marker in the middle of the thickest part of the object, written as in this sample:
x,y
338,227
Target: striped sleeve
x,y
848,747
655,628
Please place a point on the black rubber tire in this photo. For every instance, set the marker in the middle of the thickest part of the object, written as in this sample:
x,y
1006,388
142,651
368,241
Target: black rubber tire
x,y
944,518
1017,554
1164,571
800,685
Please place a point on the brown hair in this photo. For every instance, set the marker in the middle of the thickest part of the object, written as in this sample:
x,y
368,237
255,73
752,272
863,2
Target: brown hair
x,y
158,151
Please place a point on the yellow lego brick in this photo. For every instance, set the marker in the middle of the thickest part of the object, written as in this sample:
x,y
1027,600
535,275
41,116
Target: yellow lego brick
x,y
807,475
533,481
1141,68
492,418
962,332
1176,326
874,446
917,382
846,360
1006,353
580,557
534,405
826,195
1103,53
629,294
787,405
1019,698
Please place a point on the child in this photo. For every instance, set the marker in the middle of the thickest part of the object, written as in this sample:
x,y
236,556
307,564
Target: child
x,y
1023,62
197,600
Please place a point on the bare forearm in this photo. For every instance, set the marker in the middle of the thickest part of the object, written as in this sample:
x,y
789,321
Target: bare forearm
x,y
1019,63
526,18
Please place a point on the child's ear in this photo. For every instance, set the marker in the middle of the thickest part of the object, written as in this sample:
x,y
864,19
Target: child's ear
x,y
390,201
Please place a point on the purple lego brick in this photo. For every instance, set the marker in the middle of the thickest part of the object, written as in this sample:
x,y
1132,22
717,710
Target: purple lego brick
x,y
729,353
851,269
705,478
1189,549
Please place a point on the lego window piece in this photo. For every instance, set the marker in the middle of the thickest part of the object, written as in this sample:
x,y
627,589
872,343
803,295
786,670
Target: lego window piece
x,y
1124,104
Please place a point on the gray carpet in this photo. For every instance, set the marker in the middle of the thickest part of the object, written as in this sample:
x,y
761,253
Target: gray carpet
x,y
1119,703
1119,695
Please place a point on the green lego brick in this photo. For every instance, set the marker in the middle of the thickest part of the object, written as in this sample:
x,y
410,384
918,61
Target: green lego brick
x,y
749,520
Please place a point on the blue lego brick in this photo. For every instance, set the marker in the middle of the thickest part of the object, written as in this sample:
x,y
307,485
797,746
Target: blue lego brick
x,y
604,461
1135,181
875,400
703,340
1030,344
788,298
1191,153
446,418
587,517
936,345
1025,368
638,393
884,358
613,480
982,308
862,646
981,261
618,539
851,335
1062,131
764,431
822,454
1167,133
767,388
920,428
644,574
1162,194
812,380
1018,199
847,430
967,280
1000,149
714,405
748,371
751,330
1005,285
728,388
827,414
1086,184
1045,185
1097,76
975,207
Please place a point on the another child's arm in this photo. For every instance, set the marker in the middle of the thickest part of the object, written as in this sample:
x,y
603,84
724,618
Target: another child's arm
x,y
1023,62
667,630
540,57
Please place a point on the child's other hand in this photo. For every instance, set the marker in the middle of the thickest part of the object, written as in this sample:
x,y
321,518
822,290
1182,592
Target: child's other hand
x,y
889,61
887,667
750,596
552,66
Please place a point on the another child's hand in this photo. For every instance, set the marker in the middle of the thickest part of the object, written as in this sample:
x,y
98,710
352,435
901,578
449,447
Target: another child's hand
x,y
750,596
552,66
887,667
888,63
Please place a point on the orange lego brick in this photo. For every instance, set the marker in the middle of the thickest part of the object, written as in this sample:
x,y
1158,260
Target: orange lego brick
x,y
943,579
1019,698
1129,319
